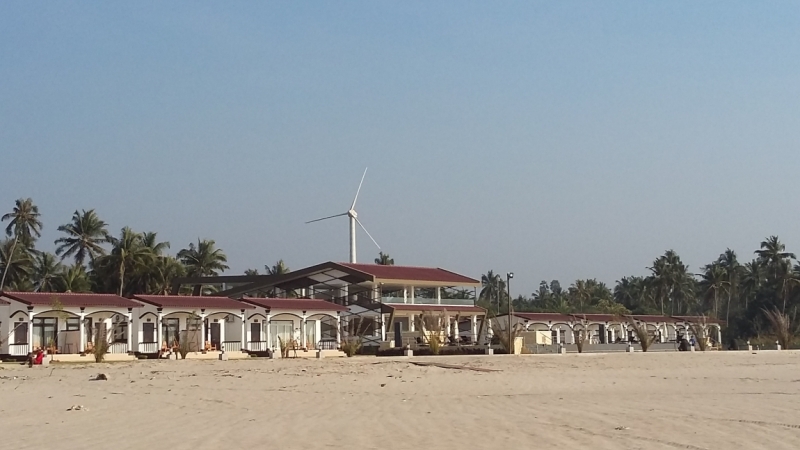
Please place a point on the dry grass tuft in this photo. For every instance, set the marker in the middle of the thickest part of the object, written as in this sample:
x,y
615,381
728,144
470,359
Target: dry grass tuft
x,y
581,335
100,347
781,326
640,330
432,327
700,332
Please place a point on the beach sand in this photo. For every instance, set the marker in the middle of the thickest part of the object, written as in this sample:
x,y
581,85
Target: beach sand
x,y
715,400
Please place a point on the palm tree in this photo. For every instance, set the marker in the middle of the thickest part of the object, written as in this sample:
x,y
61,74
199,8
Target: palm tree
x,y
74,279
165,269
17,264
129,254
23,224
751,279
733,271
150,241
493,287
773,255
84,235
714,279
384,260
46,270
279,268
202,260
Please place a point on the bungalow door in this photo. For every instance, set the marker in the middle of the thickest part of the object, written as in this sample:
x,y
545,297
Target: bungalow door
x,y
21,333
214,330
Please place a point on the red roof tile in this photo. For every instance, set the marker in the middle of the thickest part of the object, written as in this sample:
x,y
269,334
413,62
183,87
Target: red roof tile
x,y
296,304
545,317
653,318
71,299
438,308
408,273
192,302
597,317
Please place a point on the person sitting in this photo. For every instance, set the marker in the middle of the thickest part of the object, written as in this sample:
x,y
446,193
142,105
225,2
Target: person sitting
x,y
35,358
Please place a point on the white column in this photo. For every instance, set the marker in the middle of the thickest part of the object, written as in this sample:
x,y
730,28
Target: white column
x,y
303,325
338,329
613,336
412,295
719,335
202,330
244,330
455,329
558,335
438,296
30,331
446,328
82,331
269,331
411,325
383,326
405,294
489,330
474,322
130,329
222,332
160,332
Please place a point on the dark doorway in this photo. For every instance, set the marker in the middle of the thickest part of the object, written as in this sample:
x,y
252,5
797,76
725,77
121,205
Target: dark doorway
x,y
214,329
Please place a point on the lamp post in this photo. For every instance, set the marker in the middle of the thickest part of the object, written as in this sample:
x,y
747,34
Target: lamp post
x,y
509,276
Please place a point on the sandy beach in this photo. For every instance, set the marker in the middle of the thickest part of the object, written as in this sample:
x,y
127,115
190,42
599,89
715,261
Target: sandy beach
x,y
600,401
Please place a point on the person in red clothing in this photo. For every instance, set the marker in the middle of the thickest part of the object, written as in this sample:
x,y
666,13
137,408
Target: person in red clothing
x,y
35,358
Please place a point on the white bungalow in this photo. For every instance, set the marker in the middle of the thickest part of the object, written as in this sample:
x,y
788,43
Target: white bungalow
x,y
165,319
64,323
313,324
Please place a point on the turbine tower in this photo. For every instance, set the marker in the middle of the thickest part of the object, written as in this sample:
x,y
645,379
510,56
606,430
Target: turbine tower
x,y
353,215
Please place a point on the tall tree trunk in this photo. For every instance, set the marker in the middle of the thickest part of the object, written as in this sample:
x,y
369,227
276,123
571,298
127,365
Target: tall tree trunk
x,y
8,262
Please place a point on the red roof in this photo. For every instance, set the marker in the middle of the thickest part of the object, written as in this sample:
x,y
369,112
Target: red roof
x,y
192,302
545,317
438,308
296,304
597,317
653,318
408,273
697,319
71,299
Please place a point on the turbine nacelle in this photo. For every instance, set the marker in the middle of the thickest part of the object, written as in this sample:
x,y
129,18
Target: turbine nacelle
x,y
353,215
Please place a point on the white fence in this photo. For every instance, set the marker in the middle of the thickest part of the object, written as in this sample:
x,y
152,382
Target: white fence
x,y
232,346
148,347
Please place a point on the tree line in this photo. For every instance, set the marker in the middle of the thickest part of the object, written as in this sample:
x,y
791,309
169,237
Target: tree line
x,y
88,258
741,294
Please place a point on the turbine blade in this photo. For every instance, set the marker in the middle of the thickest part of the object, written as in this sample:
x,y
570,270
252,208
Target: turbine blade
x,y
326,218
359,188
365,231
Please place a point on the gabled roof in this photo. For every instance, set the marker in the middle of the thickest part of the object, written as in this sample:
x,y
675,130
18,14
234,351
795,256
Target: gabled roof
x,y
653,318
545,317
697,319
294,304
192,302
410,273
596,317
71,299
437,308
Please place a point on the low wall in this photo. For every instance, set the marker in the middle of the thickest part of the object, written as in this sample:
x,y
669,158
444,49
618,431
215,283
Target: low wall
x,y
601,348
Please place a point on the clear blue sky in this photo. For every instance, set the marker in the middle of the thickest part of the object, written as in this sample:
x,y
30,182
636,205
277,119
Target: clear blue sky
x,y
553,139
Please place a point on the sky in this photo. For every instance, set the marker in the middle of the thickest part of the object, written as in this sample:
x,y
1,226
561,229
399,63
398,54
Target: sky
x,y
555,140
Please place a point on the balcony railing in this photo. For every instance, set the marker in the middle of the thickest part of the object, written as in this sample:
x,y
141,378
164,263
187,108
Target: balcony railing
x,y
18,349
429,301
118,348
148,347
327,344
259,346
232,346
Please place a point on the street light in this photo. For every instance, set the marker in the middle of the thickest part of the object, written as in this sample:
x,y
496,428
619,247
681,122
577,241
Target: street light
x,y
509,276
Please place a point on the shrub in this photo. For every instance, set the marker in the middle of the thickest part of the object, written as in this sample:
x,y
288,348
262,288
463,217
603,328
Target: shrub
x,y
100,347
640,330
781,327
351,346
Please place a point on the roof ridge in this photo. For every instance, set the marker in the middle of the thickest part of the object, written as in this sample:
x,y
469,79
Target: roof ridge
x,y
98,294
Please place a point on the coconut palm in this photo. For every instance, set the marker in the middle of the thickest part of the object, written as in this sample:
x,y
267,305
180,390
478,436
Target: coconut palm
x,y
150,241
733,272
128,255
773,255
83,237
714,280
73,279
46,270
17,265
384,260
164,270
752,278
493,287
24,225
279,268
203,260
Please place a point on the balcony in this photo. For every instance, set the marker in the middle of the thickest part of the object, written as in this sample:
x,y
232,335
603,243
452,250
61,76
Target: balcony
x,y
429,301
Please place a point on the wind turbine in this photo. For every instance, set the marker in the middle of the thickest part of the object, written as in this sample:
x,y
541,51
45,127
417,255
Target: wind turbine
x,y
353,215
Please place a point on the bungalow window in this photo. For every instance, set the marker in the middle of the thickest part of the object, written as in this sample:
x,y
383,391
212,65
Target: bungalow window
x,y
73,324
44,332
21,333
171,330
149,332
120,325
